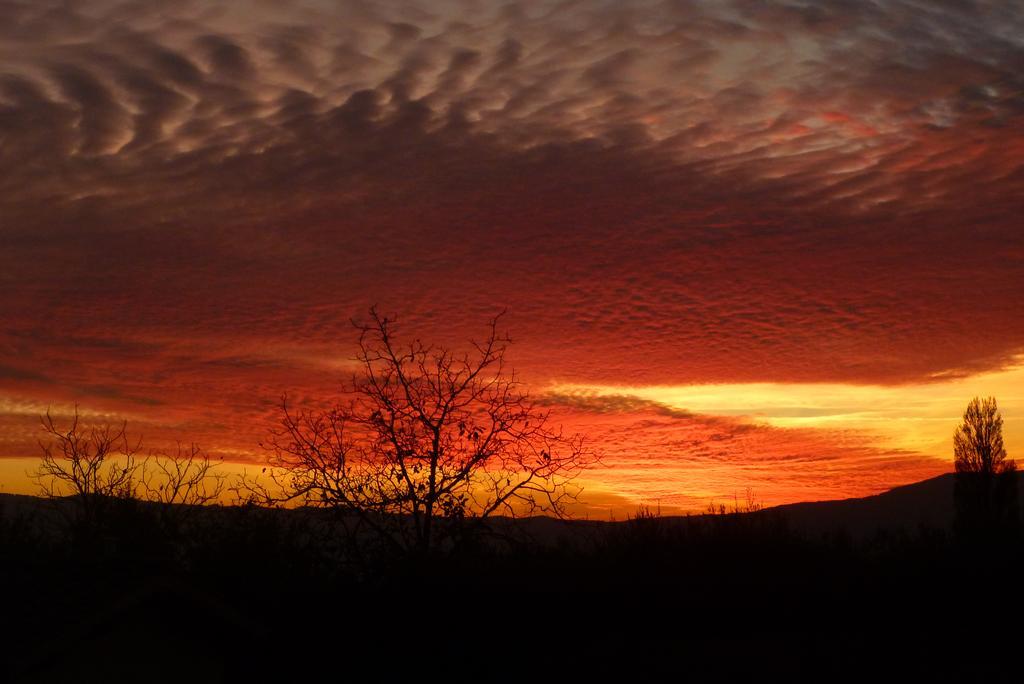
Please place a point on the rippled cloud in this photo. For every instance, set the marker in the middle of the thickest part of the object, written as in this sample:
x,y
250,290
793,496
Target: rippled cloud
x,y
196,197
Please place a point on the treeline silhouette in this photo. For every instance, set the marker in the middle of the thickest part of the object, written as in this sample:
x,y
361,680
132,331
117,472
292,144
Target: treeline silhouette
x,y
224,579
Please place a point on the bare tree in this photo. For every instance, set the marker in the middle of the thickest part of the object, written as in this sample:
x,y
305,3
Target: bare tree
x,y
187,478
179,484
426,438
91,466
978,440
986,480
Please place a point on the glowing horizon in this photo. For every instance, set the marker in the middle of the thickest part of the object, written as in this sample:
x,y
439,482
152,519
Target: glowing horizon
x,y
915,422
933,406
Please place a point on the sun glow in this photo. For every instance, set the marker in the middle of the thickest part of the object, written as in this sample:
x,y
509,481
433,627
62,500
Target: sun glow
x,y
913,417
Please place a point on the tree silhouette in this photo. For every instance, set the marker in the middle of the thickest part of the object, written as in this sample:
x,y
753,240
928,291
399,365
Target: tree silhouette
x,y
425,440
93,470
177,485
93,467
986,480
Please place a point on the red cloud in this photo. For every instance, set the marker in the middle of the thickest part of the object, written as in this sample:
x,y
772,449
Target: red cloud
x,y
195,204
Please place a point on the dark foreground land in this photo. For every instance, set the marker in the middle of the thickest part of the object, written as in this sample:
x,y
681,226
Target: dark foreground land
x,y
813,591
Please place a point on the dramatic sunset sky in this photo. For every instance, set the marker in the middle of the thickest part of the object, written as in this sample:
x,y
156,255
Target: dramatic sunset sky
x,y
741,243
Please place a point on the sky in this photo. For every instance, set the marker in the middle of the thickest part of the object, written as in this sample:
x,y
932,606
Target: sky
x,y
767,245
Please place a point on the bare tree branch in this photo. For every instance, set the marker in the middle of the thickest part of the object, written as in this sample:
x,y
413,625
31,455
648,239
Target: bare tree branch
x,y
427,438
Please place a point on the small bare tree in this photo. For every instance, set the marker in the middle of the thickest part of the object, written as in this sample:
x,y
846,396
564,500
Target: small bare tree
x,y
187,478
424,439
178,485
91,466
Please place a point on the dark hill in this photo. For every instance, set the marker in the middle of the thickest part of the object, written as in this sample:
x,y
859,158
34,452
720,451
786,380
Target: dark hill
x,y
908,508
928,503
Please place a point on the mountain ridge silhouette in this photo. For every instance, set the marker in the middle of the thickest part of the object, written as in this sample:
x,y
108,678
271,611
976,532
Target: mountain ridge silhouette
x,y
923,504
